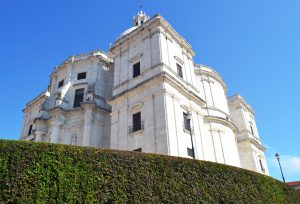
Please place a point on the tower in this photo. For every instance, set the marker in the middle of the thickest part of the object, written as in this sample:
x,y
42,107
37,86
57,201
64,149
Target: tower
x,y
156,88
251,150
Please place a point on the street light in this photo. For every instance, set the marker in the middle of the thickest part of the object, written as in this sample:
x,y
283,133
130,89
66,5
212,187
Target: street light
x,y
189,117
278,158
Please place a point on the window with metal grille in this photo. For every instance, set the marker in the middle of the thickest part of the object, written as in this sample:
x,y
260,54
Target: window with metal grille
x,y
30,130
179,70
81,75
61,83
136,122
190,152
78,98
136,69
186,122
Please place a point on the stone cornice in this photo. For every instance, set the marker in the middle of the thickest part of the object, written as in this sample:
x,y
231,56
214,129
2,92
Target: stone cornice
x,y
124,83
68,111
242,101
75,58
246,131
40,120
43,95
254,142
216,109
157,20
162,77
180,80
221,120
183,89
88,105
212,73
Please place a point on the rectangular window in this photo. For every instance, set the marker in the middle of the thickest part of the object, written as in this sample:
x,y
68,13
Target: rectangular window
x,y
186,122
137,150
251,128
261,165
78,98
30,130
136,122
179,70
81,75
190,152
136,69
60,84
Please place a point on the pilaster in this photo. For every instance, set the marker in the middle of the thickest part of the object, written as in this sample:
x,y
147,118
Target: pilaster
x,y
89,108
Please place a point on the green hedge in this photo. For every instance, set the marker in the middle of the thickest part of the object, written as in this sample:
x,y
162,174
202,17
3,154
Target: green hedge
x,y
46,173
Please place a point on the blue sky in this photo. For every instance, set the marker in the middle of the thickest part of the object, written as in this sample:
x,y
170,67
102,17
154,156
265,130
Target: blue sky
x,y
254,45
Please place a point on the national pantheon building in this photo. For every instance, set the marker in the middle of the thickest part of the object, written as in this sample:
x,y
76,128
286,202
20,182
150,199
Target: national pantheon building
x,y
146,94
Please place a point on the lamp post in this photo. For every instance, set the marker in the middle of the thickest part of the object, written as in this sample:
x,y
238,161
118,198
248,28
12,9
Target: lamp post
x,y
278,158
189,117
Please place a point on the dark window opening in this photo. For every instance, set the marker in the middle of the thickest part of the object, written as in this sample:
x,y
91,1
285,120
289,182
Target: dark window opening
x,y
136,122
186,122
251,128
81,75
136,23
179,70
190,152
61,83
261,165
142,22
30,130
137,150
78,97
136,69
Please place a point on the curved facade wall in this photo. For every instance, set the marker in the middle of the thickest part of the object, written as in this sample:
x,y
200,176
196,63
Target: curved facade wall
x,y
220,131
213,89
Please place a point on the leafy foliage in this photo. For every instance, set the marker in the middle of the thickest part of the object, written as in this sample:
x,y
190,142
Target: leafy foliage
x,y
46,173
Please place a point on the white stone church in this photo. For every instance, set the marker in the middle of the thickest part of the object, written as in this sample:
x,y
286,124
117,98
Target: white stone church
x,y
146,94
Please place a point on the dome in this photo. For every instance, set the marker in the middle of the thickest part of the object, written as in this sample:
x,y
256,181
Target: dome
x,y
128,31
137,20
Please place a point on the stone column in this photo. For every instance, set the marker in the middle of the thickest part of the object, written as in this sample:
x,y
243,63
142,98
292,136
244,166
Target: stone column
x,y
54,133
57,119
88,120
39,136
41,129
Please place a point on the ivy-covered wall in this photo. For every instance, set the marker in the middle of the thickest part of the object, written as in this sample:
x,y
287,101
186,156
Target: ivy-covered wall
x,y
46,173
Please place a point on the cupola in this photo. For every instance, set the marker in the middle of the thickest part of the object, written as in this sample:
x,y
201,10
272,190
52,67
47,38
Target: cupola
x,y
140,18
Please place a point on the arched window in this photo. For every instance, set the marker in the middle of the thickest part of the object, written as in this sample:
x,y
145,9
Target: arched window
x,y
74,139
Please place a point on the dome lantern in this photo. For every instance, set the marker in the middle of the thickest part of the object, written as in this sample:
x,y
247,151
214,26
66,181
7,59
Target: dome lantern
x,y
140,18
